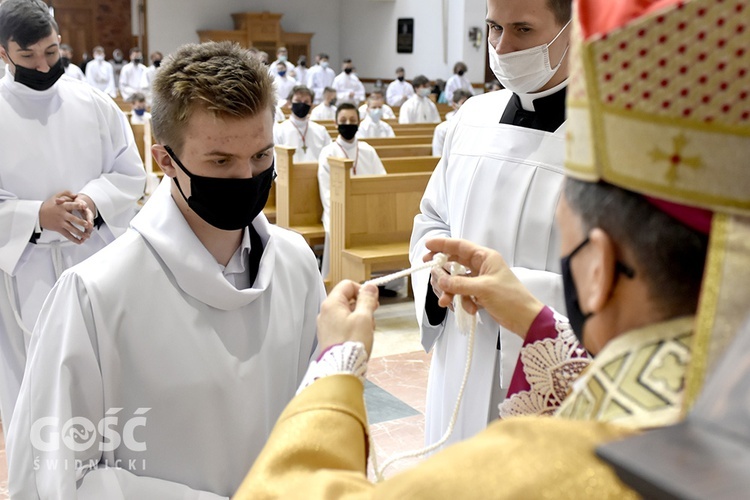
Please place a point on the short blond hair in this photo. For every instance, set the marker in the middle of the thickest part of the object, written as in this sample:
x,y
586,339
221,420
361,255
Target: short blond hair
x,y
219,77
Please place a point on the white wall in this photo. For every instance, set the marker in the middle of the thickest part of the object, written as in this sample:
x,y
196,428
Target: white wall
x,y
368,36
363,30
172,23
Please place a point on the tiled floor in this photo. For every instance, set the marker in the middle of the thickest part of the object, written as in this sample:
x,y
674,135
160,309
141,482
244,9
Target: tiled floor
x,y
395,393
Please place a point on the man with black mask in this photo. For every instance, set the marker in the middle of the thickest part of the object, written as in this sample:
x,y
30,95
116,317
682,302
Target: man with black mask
x,y
196,326
69,180
399,90
346,145
73,71
299,131
132,75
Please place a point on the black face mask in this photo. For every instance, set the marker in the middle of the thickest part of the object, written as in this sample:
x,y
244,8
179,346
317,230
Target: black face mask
x,y
36,80
348,71
300,109
576,316
65,61
333,102
400,78
138,60
348,131
461,73
227,204
157,63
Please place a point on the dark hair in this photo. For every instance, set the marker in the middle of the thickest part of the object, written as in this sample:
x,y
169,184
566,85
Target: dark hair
x,y
669,255
347,61
134,49
419,81
561,9
343,106
323,55
400,69
301,89
460,94
25,22
219,77
137,97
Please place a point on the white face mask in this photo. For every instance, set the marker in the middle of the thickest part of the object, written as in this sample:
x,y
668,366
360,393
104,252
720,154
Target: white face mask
x,y
376,114
526,70
99,57
424,91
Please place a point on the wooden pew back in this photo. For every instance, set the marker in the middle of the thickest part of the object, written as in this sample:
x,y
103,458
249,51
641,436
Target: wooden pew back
x,y
371,220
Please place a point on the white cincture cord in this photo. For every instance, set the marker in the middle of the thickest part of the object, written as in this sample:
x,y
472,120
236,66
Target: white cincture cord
x,y
11,289
462,317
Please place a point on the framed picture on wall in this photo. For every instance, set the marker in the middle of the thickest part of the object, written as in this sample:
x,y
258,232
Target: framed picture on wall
x,y
405,35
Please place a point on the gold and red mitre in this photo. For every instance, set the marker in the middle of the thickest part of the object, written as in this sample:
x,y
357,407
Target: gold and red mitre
x,y
659,104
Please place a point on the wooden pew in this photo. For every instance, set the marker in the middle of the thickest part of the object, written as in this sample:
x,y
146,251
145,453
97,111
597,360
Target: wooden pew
x,y
297,197
398,141
371,220
405,150
298,206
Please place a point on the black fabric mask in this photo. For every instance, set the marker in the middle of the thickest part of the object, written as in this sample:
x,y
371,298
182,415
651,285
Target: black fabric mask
x,y
400,78
348,131
333,101
36,80
157,63
138,60
347,70
65,61
227,204
460,73
576,316
300,109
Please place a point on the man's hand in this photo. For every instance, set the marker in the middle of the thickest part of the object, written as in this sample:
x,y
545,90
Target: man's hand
x,y
90,213
58,214
347,315
492,285
435,274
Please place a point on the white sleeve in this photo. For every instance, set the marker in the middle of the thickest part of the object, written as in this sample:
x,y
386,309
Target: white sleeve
x,y
451,86
404,115
63,381
360,93
324,186
391,95
438,140
121,184
18,220
433,221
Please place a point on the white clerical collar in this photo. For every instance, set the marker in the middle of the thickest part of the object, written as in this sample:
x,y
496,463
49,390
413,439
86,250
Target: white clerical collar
x,y
348,146
527,100
298,121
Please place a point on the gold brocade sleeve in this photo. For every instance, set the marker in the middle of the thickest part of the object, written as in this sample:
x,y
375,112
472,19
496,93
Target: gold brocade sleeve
x,y
318,451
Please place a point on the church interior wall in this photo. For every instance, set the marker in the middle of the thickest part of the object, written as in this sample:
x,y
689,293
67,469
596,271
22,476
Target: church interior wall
x,y
363,30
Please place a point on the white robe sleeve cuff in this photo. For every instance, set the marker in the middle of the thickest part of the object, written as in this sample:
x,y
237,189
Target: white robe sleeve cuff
x,y
347,358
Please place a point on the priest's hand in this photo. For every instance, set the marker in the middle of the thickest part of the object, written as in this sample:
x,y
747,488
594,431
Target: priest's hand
x,y
347,315
492,285
58,214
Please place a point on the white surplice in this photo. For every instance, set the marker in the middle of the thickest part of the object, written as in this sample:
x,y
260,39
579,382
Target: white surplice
x,y
309,138
346,85
367,162
69,137
101,75
496,185
152,326
419,109
132,80
396,91
369,128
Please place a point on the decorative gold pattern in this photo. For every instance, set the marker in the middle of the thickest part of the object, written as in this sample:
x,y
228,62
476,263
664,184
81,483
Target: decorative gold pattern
x,y
551,366
638,379
676,158
682,73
